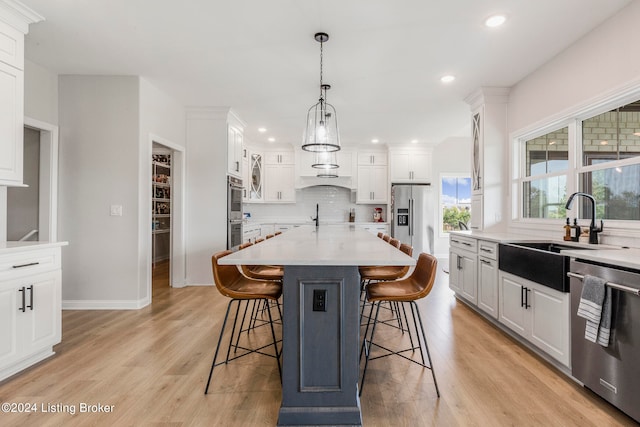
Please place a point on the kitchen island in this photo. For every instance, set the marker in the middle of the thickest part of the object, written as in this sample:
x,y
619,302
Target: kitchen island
x,y
321,324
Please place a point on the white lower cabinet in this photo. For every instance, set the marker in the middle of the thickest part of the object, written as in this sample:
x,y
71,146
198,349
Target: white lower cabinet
x,y
488,277
463,270
537,313
30,309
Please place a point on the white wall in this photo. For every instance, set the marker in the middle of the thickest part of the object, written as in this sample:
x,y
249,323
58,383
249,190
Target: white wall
x,y
22,202
452,156
599,68
603,61
106,129
162,118
99,138
206,190
40,93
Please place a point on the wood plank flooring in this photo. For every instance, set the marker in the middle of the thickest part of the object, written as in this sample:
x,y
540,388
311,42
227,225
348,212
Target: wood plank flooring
x,y
152,365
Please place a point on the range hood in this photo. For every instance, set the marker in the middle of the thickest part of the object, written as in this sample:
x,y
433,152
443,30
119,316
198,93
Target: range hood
x,y
312,181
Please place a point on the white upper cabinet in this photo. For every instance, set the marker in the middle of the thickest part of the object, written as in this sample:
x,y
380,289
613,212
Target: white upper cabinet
x,y
279,176
282,157
234,150
11,124
488,158
410,166
372,158
12,89
372,185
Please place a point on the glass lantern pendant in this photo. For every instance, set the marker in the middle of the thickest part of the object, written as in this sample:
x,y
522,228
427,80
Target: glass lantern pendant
x,y
321,131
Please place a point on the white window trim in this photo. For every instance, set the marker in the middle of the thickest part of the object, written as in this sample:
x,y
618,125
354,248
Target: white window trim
x,y
573,118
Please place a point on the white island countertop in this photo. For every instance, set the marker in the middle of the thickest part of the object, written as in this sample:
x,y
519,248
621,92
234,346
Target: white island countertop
x,y
328,245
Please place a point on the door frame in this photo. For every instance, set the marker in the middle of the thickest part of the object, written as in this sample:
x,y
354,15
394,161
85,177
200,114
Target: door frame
x,y
48,181
177,264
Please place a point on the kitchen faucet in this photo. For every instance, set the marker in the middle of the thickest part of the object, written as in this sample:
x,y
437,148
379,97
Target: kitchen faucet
x,y
317,218
593,230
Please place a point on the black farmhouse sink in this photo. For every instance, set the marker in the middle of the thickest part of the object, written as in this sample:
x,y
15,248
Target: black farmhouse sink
x,y
540,262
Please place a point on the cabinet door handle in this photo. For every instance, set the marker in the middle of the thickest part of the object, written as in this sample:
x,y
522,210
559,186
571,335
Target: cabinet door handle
x,y
484,261
458,262
30,306
237,166
25,265
526,298
486,250
522,296
466,243
23,308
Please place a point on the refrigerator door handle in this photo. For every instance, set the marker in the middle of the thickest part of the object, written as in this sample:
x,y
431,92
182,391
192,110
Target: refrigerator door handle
x,y
411,217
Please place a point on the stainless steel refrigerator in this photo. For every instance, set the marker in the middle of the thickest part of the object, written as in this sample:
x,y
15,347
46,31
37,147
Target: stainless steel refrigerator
x,y
413,209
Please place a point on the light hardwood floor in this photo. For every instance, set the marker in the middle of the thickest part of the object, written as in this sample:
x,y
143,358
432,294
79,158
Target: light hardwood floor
x,y
152,365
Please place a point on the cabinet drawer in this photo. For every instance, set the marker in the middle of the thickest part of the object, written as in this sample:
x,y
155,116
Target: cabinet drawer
x,y
464,243
29,262
488,249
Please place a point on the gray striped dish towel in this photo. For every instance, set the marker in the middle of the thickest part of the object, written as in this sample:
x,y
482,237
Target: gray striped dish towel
x,y
596,308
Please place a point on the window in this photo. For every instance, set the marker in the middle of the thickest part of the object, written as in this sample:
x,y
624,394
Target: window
x,y
598,155
610,166
544,186
455,198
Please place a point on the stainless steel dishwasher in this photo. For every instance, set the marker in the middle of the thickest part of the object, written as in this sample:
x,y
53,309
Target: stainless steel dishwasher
x,y
612,372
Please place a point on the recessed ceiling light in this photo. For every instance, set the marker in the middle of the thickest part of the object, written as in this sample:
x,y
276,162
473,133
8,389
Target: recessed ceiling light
x,y
636,133
604,142
272,139
495,21
447,79
414,141
552,142
262,130
375,141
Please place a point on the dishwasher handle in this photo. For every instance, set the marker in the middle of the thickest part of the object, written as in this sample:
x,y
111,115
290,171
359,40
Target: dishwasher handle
x,y
613,285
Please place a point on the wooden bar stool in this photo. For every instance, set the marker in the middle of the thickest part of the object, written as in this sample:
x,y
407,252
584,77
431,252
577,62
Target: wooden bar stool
x,y
277,233
395,243
405,291
269,236
232,284
386,238
380,234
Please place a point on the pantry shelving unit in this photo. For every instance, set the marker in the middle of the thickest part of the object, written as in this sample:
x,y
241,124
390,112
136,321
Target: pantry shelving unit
x,y
161,206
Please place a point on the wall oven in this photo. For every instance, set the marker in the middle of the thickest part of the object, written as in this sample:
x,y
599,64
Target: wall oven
x,y
613,371
234,212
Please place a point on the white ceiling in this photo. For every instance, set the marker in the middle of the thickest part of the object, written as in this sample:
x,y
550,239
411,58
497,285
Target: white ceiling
x,y
384,58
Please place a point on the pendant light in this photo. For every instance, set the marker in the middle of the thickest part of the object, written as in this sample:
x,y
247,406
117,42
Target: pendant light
x,y
326,163
321,132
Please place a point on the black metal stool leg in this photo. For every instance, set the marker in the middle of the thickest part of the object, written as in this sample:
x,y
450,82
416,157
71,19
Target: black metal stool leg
x,y
366,360
215,356
426,346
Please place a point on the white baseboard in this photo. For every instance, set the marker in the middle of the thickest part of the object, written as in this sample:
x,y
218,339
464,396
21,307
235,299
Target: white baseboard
x,y
105,304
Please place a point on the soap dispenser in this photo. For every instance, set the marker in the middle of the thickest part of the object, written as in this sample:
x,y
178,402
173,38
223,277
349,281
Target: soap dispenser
x,y
567,231
575,231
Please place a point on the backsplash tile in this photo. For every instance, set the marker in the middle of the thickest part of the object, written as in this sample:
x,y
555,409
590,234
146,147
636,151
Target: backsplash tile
x,y
335,204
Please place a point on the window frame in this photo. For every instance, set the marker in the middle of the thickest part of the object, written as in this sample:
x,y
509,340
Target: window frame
x,y
576,169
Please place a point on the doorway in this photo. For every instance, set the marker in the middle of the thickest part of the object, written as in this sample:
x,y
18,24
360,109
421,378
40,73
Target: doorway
x,y
161,208
32,208
163,212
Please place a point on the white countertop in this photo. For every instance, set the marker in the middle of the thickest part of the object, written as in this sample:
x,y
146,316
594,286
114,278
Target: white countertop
x,y
14,247
629,258
329,245
606,254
